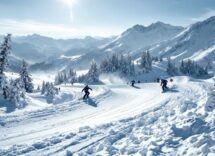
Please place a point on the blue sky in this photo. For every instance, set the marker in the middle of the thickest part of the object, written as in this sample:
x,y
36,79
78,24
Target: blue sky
x,y
76,18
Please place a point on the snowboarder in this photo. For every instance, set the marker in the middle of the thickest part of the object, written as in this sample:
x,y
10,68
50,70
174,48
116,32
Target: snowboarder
x,y
86,91
164,84
158,80
132,83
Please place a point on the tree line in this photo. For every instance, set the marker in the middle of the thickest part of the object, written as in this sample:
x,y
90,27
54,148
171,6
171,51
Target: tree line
x,y
120,64
189,67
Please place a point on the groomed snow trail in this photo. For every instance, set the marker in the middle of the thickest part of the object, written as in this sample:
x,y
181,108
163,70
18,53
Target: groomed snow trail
x,y
109,103
119,120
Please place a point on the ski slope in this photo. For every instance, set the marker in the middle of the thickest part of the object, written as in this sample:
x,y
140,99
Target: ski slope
x,y
117,120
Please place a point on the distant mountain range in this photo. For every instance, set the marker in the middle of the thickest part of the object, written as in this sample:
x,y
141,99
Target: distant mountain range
x,y
133,40
195,42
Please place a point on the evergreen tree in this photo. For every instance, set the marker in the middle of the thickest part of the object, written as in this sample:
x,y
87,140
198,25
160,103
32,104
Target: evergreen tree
x,y
104,66
4,52
16,92
93,73
146,62
38,88
182,67
171,68
114,63
25,78
149,61
43,89
193,69
72,76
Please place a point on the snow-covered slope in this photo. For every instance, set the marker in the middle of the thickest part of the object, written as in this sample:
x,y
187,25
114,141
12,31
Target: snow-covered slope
x,y
139,37
197,42
118,120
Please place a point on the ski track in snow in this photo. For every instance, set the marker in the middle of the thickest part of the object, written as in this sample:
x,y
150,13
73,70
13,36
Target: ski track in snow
x,y
119,120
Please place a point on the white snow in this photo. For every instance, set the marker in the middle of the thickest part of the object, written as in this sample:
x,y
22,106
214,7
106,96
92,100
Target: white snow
x,y
202,54
75,57
118,120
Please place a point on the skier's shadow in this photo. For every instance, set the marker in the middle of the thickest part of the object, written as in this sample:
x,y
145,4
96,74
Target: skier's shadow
x,y
90,102
136,87
172,91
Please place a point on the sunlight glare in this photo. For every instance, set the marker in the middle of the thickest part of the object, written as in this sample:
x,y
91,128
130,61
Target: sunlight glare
x,y
70,3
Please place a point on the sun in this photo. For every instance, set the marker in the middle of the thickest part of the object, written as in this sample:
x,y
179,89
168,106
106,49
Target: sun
x,y
70,3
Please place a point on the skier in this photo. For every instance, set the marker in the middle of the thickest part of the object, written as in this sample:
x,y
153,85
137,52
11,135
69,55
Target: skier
x,y
86,91
158,80
164,84
132,83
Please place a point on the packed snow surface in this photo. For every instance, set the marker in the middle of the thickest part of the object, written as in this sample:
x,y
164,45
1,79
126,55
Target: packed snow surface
x,y
117,120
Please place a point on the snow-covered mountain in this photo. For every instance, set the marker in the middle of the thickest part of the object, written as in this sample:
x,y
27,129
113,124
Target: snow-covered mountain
x,y
138,37
197,42
53,46
133,39
194,42
36,48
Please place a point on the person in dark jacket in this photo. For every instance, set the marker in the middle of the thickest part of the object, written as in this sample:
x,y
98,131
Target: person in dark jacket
x,y
158,80
164,84
86,91
132,83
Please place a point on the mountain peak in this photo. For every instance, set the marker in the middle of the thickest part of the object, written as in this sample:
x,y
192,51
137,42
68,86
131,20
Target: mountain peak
x,y
138,27
159,24
135,28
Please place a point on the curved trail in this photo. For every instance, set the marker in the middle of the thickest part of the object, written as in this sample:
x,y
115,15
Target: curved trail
x,y
116,103
119,117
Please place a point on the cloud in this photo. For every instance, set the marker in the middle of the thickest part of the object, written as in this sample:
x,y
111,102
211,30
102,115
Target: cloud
x,y
30,27
206,15
57,31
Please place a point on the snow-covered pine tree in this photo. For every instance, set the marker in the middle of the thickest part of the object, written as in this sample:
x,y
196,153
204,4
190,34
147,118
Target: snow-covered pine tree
x,y
114,63
43,88
130,70
143,60
16,92
25,78
104,66
182,67
5,49
4,52
193,69
93,73
58,79
171,68
146,62
50,91
72,76
38,88
149,61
